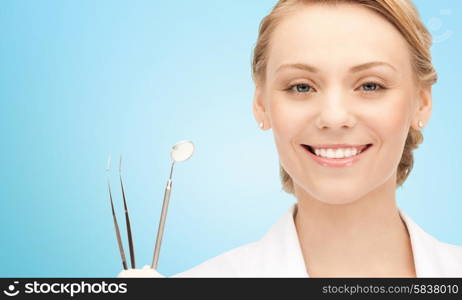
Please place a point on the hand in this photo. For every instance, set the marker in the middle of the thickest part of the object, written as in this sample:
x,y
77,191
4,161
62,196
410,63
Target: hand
x,y
146,271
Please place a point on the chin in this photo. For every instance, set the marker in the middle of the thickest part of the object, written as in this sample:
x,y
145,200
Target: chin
x,y
336,199
335,193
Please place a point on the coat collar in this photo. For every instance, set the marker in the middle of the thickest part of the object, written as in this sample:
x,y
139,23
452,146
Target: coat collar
x,y
285,257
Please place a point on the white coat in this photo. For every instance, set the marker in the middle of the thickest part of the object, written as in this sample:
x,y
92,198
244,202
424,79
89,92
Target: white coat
x,y
278,254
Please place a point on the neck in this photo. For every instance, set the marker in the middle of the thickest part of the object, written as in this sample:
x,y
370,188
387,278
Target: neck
x,y
367,235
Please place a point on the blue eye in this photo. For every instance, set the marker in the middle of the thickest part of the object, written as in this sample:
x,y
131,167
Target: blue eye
x,y
300,88
372,87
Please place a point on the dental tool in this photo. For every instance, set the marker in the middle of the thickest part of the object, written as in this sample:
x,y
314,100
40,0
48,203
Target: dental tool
x,y
116,225
181,151
127,219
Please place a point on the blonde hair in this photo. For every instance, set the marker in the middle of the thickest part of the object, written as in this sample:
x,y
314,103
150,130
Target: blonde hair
x,y
400,13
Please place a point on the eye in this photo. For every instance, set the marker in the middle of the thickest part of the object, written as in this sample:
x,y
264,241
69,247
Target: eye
x,y
299,88
369,87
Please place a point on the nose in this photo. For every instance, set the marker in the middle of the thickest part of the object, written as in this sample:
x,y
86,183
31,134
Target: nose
x,y
335,112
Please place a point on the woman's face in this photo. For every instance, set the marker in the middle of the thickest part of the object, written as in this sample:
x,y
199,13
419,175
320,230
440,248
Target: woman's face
x,y
339,76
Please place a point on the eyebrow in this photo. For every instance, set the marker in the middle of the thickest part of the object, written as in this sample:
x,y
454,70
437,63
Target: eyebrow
x,y
354,69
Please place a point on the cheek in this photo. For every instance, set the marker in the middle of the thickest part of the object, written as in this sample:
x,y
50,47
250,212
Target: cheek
x,y
390,122
286,120
391,119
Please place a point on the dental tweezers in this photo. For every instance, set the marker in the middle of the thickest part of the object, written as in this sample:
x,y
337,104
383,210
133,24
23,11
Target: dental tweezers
x,y
127,219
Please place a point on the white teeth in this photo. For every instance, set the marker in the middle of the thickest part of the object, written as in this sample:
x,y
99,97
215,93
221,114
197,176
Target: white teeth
x,y
337,153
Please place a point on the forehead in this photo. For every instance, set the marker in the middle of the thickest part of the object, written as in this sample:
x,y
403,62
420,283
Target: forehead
x,y
334,38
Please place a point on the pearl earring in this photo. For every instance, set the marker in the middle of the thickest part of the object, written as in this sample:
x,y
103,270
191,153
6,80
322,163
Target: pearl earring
x,y
420,124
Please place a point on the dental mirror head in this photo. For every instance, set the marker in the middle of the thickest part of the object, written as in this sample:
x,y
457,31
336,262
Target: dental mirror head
x,y
182,151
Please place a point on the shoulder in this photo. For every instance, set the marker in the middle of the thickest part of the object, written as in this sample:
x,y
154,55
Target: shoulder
x,y
450,257
276,254
237,262
433,257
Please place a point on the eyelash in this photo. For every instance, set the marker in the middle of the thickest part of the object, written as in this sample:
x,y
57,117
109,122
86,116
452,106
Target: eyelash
x,y
380,88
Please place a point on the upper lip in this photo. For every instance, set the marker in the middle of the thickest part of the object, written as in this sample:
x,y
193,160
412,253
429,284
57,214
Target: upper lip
x,y
336,146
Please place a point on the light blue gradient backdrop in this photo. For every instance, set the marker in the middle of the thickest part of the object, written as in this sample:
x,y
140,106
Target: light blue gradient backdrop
x,y
82,79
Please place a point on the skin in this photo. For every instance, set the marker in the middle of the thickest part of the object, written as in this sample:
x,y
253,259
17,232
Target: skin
x,y
347,220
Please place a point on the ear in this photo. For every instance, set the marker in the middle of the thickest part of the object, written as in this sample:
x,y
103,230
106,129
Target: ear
x,y
259,109
424,107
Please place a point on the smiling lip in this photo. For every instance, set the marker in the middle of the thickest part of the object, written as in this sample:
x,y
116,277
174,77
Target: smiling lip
x,y
336,146
337,162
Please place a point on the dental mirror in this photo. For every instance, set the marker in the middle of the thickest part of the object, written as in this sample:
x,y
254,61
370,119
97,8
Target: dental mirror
x,y
181,151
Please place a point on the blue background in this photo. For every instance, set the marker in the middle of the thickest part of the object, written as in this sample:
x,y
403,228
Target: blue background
x,y
82,79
